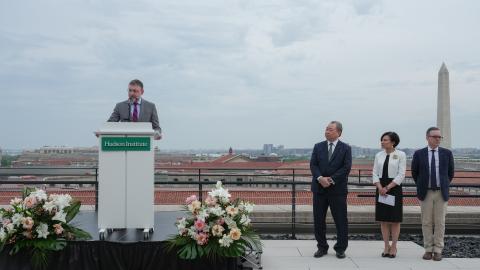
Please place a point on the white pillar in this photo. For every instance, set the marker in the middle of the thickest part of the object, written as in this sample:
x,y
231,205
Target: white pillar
x,y
443,106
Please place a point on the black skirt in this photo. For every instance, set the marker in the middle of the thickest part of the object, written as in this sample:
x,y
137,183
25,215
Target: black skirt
x,y
387,213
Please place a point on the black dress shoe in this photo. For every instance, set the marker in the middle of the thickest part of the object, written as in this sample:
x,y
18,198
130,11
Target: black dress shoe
x,y
320,253
341,254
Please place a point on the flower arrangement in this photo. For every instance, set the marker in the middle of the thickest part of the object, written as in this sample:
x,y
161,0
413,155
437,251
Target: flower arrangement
x,y
39,224
215,227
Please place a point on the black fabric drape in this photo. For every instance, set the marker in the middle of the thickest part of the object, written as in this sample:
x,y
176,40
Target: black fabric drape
x,y
102,255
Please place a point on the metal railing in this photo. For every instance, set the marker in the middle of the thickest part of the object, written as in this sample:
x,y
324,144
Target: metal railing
x,y
291,178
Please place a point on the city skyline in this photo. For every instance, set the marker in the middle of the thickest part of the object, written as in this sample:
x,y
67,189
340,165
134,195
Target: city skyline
x,y
239,74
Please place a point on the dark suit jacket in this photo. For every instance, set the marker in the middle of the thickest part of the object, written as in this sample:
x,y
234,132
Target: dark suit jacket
x,y
337,168
421,171
148,113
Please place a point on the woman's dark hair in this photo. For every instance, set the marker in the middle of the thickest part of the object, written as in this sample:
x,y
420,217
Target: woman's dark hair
x,y
393,137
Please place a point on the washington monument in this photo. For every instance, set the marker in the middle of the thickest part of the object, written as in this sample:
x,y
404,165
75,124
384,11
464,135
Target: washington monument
x,y
443,106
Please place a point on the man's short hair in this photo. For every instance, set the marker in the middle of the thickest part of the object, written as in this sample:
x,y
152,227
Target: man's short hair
x,y
393,137
338,125
431,129
136,82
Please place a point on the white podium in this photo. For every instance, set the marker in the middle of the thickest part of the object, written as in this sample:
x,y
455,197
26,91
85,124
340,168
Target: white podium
x,y
125,177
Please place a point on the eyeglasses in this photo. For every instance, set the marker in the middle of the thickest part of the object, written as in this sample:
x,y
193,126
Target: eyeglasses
x,y
436,137
131,90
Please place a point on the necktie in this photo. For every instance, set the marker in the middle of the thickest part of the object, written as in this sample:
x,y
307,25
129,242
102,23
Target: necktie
x,y
433,172
330,151
135,112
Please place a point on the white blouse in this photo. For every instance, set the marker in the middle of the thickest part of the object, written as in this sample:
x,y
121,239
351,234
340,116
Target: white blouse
x,y
397,165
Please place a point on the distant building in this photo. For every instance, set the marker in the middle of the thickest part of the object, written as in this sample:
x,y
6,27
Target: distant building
x,y
55,150
267,149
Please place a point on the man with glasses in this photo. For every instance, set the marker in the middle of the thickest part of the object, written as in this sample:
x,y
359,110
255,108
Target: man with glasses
x,y
137,109
432,171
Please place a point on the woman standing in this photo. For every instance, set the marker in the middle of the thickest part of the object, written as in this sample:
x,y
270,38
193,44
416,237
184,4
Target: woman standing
x,y
388,173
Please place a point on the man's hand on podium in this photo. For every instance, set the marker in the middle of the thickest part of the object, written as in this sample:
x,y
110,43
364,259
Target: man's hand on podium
x,y
157,135
97,134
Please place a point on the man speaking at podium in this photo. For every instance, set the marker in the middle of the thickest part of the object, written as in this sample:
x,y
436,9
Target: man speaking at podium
x,y
136,109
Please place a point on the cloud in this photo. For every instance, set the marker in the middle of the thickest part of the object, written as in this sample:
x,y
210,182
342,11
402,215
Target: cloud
x,y
238,73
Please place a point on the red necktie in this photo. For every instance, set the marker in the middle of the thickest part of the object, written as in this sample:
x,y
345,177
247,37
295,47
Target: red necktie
x,y
135,112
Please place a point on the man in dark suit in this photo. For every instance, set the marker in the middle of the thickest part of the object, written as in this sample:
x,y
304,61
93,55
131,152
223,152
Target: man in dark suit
x,y
432,171
137,109
330,164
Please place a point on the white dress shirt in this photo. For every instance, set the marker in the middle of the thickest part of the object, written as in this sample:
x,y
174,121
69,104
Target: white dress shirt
x,y
437,165
333,146
397,165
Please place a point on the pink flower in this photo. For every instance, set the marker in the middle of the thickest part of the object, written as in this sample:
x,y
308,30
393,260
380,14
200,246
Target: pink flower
x,y
30,201
27,223
199,225
28,234
58,228
6,222
202,238
191,199
211,201
220,221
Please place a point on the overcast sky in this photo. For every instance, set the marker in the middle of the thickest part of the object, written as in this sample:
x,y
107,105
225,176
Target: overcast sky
x,y
238,73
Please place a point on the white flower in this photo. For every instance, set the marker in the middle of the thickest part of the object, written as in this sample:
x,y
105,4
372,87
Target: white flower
x,y
15,201
245,220
217,211
203,214
248,207
192,233
230,223
1,215
49,206
42,230
61,201
182,223
219,184
232,211
220,193
194,206
10,228
17,219
225,241
39,194
60,216
3,235
217,230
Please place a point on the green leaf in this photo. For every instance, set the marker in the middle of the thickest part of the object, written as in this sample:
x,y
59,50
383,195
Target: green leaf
x,y
194,252
27,191
72,210
79,233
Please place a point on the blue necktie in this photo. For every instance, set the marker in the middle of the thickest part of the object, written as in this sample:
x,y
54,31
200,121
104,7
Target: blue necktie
x,y
433,172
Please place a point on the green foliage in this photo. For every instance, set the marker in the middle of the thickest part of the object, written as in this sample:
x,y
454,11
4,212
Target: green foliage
x,y
28,240
7,160
72,210
188,249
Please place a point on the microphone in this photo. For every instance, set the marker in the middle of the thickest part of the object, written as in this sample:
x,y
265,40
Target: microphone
x,y
129,109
